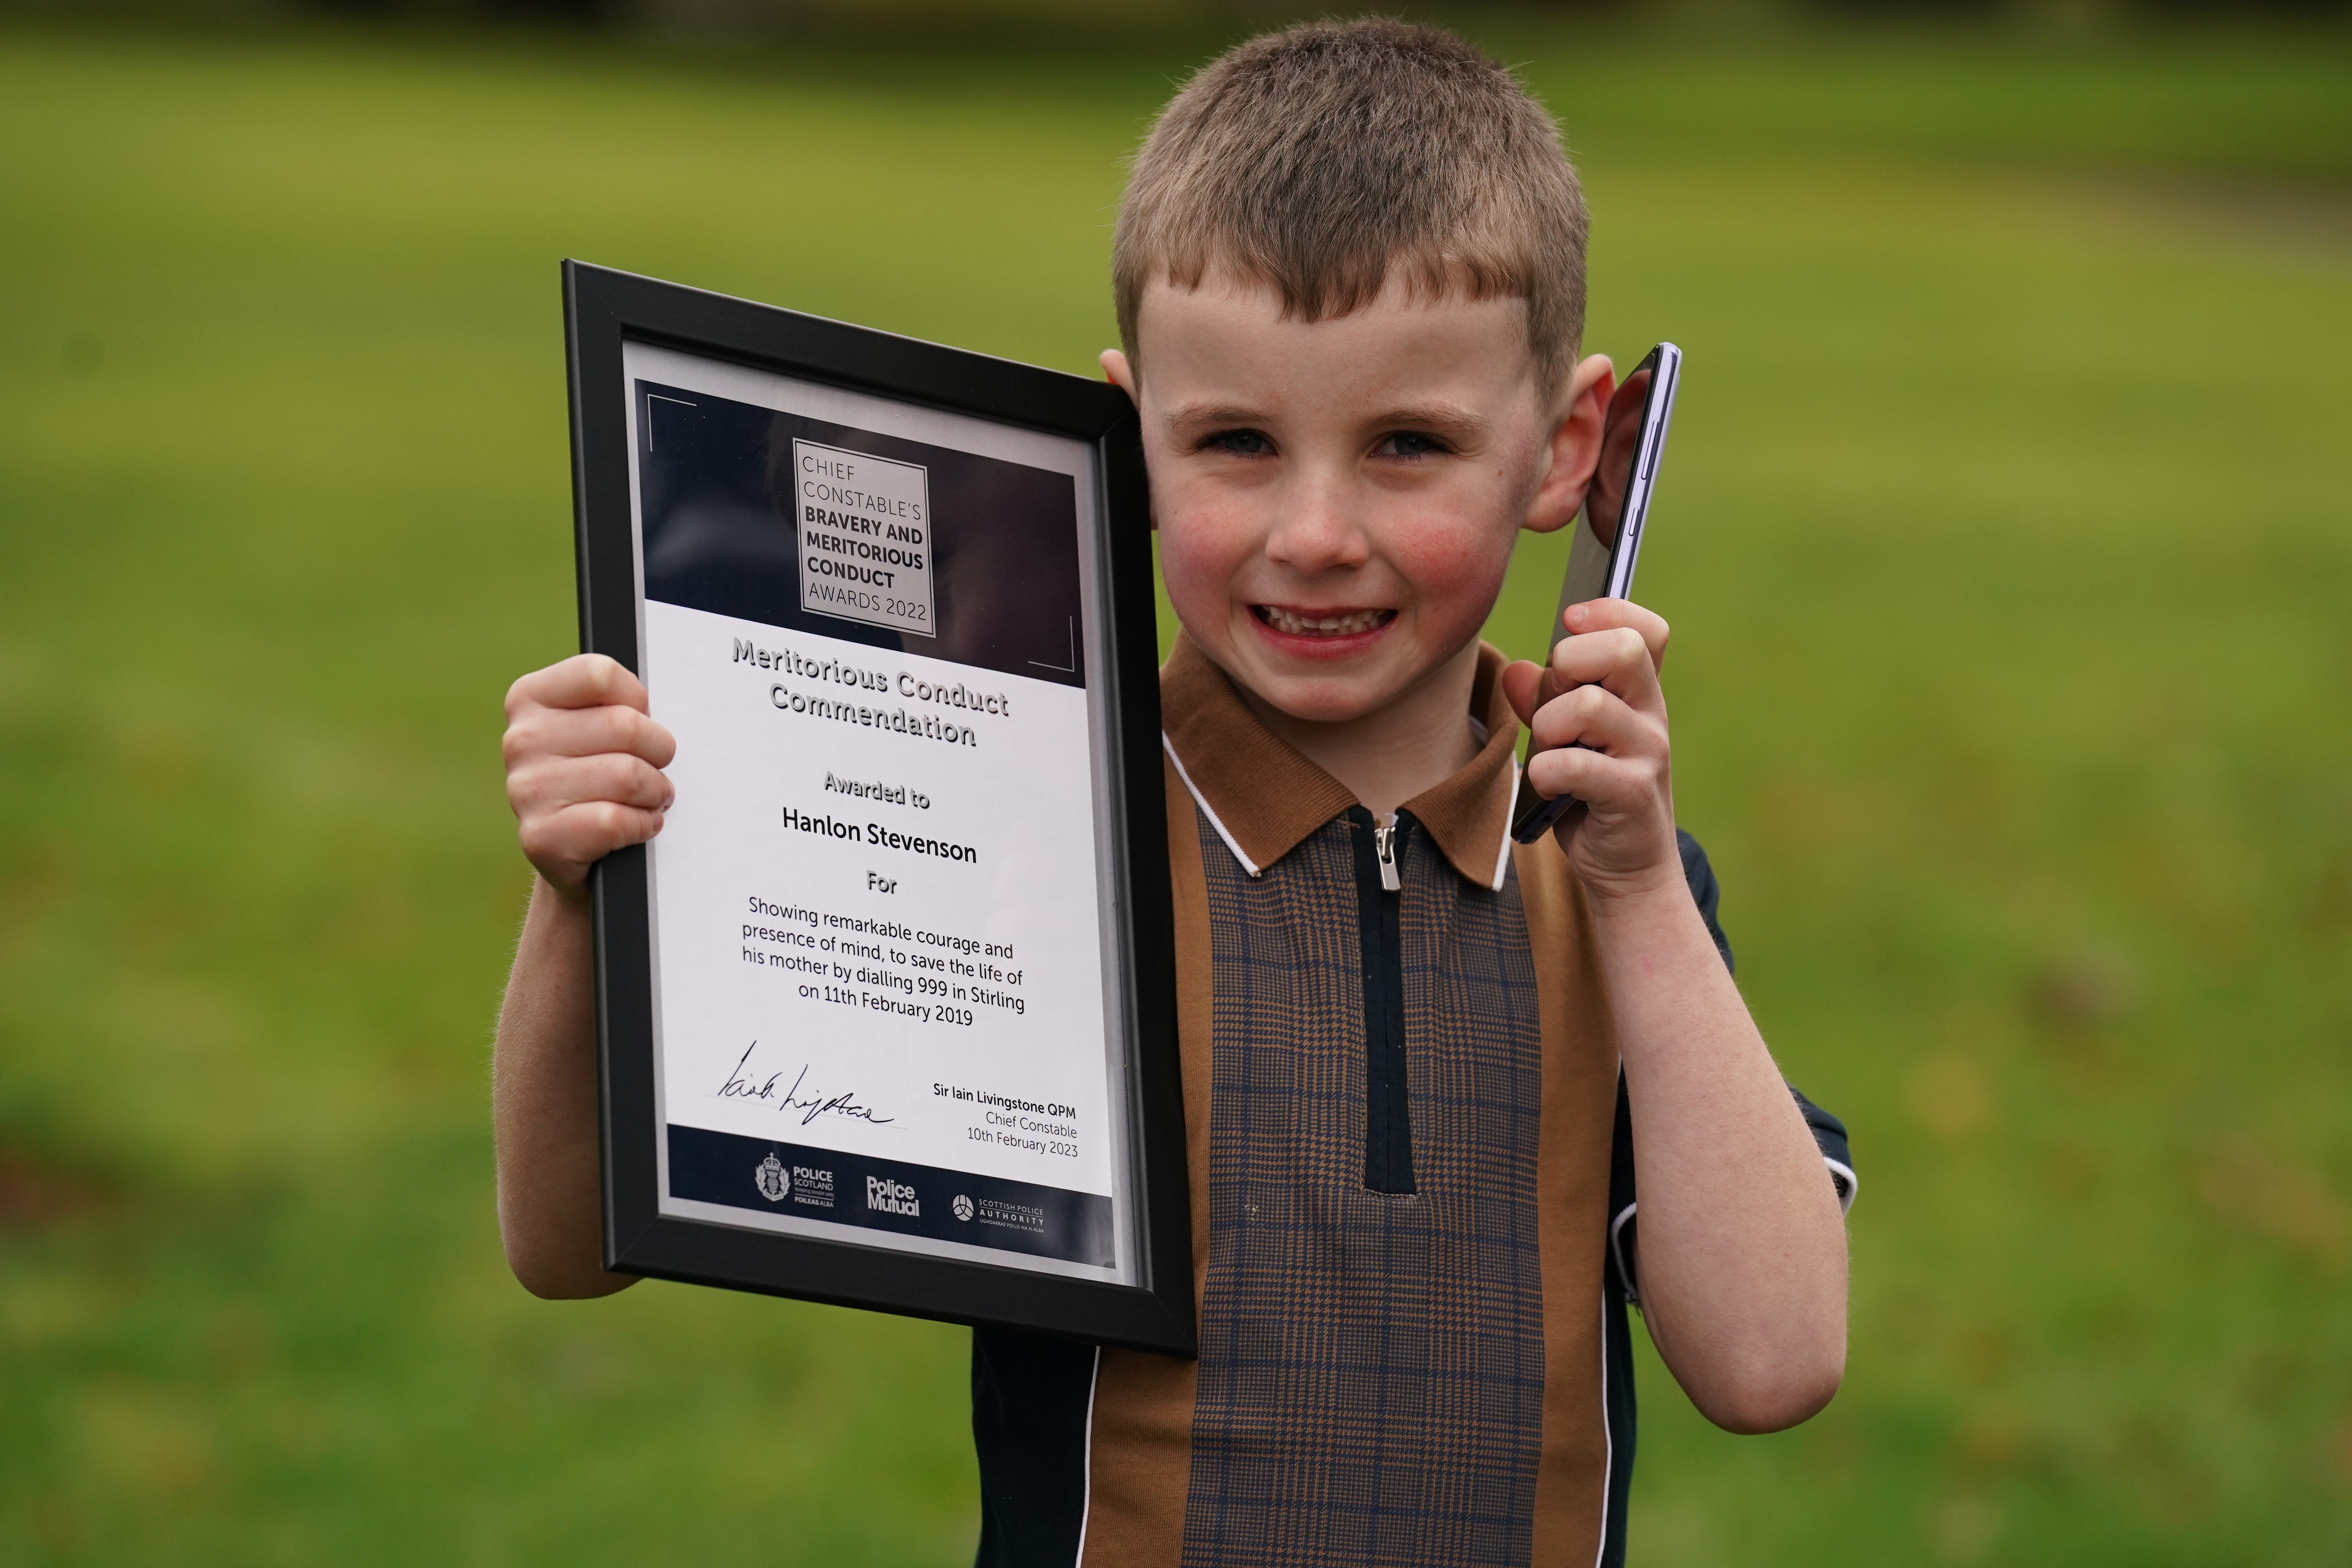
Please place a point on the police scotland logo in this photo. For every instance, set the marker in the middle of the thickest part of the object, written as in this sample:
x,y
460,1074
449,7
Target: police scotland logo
x,y
771,1179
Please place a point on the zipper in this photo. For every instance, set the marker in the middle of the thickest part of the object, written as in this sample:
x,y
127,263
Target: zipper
x,y
1388,1098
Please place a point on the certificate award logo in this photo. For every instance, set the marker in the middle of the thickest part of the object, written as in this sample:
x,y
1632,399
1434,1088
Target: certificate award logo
x,y
883,1195
772,1180
865,537
963,1207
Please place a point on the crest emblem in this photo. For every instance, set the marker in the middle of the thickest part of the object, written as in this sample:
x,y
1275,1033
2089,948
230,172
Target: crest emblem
x,y
772,1180
963,1207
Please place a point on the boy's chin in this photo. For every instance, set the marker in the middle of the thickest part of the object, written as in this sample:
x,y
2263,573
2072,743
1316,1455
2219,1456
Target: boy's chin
x,y
1330,697
1331,684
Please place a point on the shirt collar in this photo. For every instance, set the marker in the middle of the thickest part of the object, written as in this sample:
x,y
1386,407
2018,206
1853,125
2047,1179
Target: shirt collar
x,y
1264,798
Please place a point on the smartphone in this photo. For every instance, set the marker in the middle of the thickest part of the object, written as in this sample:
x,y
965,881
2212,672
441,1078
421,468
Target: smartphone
x,y
1607,540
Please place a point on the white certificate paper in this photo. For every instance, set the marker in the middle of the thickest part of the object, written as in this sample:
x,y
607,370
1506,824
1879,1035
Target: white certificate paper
x,y
884,975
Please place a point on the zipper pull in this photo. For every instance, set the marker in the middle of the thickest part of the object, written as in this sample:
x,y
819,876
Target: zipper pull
x,y
1385,851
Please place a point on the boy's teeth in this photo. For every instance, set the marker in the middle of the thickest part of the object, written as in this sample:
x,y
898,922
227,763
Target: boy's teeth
x,y
1349,624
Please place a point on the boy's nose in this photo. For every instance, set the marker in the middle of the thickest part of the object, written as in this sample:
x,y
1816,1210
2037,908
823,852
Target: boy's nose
x,y
1316,529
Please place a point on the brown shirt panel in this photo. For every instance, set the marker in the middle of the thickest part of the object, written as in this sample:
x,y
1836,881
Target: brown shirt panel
x,y
1139,1462
1580,1103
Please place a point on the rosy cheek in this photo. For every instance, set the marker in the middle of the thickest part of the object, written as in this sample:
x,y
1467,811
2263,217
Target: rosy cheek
x,y
1452,567
1201,547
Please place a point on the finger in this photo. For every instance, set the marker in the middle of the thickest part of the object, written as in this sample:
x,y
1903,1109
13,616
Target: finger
x,y
585,834
1607,785
585,732
1616,658
1609,615
1596,717
1523,688
550,786
583,680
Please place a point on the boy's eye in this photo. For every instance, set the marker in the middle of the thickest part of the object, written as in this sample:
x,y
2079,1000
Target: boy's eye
x,y
1240,443
1407,444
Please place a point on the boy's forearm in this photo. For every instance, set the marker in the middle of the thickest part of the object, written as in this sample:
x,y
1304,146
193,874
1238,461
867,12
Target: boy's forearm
x,y
1742,1242
543,1106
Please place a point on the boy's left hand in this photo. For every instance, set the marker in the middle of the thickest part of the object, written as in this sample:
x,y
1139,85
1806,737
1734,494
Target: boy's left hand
x,y
1602,692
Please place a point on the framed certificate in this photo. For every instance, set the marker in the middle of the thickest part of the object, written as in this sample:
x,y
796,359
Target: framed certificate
x,y
885,1015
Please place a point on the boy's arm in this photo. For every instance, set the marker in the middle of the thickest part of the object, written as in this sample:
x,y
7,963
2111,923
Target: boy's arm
x,y
1829,1132
1743,1261
1742,1245
583,775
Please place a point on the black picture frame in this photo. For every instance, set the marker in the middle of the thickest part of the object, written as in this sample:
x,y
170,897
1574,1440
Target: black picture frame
x,y
604,310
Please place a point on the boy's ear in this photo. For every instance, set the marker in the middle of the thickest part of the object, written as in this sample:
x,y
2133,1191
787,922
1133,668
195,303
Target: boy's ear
x,y
1123,375
1574,449
1120,373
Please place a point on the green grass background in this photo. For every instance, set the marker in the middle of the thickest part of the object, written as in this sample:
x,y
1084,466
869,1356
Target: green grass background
x,y
2006,537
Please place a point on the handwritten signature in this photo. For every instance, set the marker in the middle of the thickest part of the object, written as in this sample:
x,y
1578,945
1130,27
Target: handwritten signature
x,y
811,1106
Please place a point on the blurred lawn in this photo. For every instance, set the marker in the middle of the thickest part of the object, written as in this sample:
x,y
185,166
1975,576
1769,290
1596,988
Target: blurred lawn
x,y
2007,537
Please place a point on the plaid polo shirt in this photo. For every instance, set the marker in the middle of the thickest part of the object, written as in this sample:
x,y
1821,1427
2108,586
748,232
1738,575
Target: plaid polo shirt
x,y
1412,1169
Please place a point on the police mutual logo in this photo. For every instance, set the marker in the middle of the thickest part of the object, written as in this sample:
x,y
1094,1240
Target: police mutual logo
x,y
771,1180
892,1198
963,1207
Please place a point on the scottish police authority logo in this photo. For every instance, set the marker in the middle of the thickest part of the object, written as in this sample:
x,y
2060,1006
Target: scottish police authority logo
x,y
963,1207
771,1179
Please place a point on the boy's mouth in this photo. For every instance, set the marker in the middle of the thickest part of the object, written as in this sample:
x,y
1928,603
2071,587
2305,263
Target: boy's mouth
x,y
1322,623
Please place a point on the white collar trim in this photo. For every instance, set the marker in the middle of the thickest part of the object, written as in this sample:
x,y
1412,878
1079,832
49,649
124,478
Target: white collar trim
x,y
1252,866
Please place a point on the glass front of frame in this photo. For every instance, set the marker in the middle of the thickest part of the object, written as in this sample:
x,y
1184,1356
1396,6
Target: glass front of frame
x,y
885,991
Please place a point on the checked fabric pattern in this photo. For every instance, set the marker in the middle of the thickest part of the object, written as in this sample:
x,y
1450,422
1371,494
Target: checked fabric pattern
x,y
1370,1381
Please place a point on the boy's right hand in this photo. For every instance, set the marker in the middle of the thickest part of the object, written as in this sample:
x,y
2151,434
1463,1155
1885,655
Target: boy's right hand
x,y
584,766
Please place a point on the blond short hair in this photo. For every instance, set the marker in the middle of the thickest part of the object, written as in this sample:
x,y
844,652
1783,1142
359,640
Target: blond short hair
x,y
1318,158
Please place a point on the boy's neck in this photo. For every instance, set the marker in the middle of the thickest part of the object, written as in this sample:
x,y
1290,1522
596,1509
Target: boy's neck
x,y
1386,757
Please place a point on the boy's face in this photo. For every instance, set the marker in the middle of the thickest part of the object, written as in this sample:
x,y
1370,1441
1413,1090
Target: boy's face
x,y
1336,500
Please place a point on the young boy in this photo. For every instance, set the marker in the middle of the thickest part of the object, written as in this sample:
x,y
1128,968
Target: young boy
x,y
1426,1070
